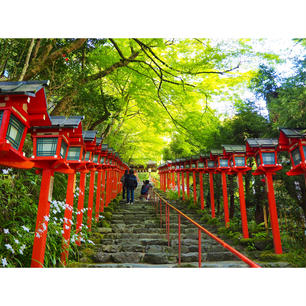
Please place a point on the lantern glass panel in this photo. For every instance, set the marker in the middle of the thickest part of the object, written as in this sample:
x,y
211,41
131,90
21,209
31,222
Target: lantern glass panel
x,y
296,156
46,146
1,113
240,161
231,162
223,162
268,158
110,161
200,165
95,159
178,167
87,156
193,166
182,166
63,149
187,166
210,164
304,148
102,160
14,132
74,153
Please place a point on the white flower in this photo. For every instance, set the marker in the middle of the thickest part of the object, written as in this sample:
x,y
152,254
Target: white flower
x,y
62,231
67,227
16,241
6,231
4,262
55,218
9,247
89,241
44,226
23,247
21,251
54,211
25,228
5,171
46,218
37,235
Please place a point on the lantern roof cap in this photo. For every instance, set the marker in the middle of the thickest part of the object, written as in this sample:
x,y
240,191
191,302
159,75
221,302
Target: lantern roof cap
x,y
104,146
216,152
262,142
62,121
234,148
99,140
28,88
204,155
195,157
294,133
89,135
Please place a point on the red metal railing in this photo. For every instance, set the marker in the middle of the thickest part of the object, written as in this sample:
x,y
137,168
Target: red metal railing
x,y
200,230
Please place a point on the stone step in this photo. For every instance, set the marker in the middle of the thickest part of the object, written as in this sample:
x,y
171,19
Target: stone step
x,y
216,264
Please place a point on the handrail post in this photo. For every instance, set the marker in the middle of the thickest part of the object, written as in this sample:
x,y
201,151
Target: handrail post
x,y
160,213
168,225
200,248
179,239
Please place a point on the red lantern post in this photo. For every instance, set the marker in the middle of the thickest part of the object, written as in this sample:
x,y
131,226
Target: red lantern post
x,y
194,169
201,170
265,153
187,170
90,146
50,147
238,163
211,169
223,168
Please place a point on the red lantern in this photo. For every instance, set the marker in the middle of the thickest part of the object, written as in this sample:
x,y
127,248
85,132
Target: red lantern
x,y
22,105
265,153
238,162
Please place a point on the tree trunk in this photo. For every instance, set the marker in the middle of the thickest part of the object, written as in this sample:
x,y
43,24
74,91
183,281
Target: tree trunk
x,y
27,60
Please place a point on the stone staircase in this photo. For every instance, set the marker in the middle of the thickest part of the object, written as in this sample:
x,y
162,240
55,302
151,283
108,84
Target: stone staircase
x,y
136,239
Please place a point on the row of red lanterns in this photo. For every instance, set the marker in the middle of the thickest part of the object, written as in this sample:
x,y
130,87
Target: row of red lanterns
x,y
59,145
232,159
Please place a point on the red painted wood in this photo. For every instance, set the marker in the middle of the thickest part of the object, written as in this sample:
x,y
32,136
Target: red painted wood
x,y
199,248
40,236
98,197
188,185
243,212
273,215
68,218
225,199
201,190
103,191
178,184
212,195
79,219
183,186
90,199
194,187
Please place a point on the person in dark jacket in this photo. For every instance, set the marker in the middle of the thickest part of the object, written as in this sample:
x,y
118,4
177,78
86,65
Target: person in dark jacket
x,y
123,181
131,184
